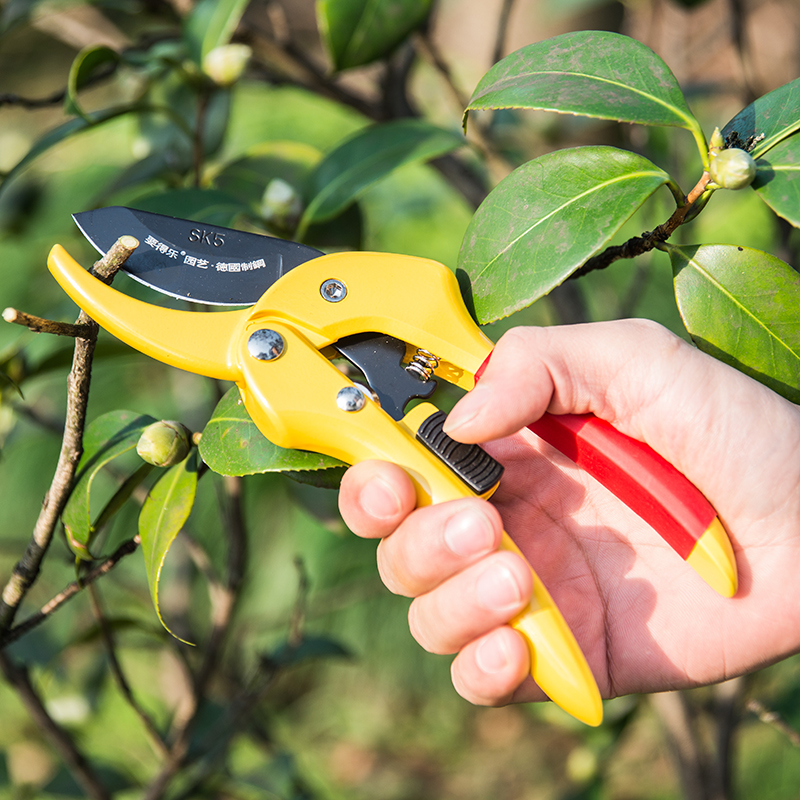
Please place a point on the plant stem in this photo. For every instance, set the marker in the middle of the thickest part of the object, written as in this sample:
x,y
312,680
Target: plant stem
x,y
773,719
27,568
638,245
119,676
125,549
79,767
41,325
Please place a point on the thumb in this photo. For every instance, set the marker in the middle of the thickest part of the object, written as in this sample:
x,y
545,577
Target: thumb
x,y
614,370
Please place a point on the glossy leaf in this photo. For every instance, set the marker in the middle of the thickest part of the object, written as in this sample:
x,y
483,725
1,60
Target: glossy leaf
x,y
369,156
740,305
84,65
775,116
232,445
544,220
777,180
105,439
246,178
211,24
590,73
357,32
201,205
163,514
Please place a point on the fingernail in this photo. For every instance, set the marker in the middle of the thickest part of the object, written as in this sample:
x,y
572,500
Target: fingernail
x,y
491,655
379,499
468,533
497,589
464,411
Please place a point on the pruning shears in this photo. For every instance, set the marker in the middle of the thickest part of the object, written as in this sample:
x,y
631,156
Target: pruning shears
x,y
304,309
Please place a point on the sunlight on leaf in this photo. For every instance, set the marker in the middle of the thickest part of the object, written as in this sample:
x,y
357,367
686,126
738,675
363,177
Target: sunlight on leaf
x,y
211,24
544,220
357,32
232,445
367,157
775,116
85,63
740,305
777,180
589,73
105,439
163,514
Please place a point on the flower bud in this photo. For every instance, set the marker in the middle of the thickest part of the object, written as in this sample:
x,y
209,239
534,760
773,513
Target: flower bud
x,y
165,443
280,205
716,143
225,64
732,169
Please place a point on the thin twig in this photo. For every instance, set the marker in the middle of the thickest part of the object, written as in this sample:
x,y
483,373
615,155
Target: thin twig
x,y
119,676
57,97
676,715
298,620
76,762
27,568
41,325
72,589
498,166
241,707
774,720
502,30
639,245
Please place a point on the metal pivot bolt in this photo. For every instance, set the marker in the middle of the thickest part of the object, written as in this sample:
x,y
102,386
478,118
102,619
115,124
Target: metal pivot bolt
x,y
333,290
265,344
352,398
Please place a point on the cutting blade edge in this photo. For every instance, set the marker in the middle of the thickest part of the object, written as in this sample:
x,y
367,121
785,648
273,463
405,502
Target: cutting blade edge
x,y
194,261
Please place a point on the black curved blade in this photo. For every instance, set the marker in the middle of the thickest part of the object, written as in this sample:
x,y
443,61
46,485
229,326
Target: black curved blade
x,y
192,260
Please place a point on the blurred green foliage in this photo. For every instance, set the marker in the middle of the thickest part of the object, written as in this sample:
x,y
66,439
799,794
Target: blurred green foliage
x,y
305,681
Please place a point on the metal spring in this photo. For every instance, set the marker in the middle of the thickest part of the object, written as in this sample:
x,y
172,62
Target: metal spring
x,y
422,364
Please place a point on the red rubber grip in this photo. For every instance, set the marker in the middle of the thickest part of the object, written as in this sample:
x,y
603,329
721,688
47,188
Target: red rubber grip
x,y
633,472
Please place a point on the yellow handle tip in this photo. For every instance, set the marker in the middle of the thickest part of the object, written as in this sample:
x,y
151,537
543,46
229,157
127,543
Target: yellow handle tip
x,y
712,558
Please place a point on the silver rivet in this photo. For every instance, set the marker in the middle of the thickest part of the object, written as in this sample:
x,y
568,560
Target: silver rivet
x,y
265,344
351,398
333,290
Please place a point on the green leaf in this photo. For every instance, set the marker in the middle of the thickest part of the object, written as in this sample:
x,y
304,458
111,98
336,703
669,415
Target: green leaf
x,y
309,647
590,73
163,514
544,220
357,32
247,177
775,116
201,205
211,24
105,439
777,180
84,65
231,444
367,157
740,305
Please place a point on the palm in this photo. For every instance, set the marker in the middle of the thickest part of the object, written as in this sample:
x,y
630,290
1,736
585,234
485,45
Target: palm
x,y
643,617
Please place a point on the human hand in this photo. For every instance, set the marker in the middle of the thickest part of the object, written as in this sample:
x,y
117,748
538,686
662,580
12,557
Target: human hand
x,y
644,619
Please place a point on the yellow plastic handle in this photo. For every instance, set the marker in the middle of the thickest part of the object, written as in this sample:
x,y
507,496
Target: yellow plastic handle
x,y
282,402
293,399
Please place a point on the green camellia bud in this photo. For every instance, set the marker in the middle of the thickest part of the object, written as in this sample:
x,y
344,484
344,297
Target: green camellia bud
x,y
165,443
281,204
716,143
225,64
732,169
